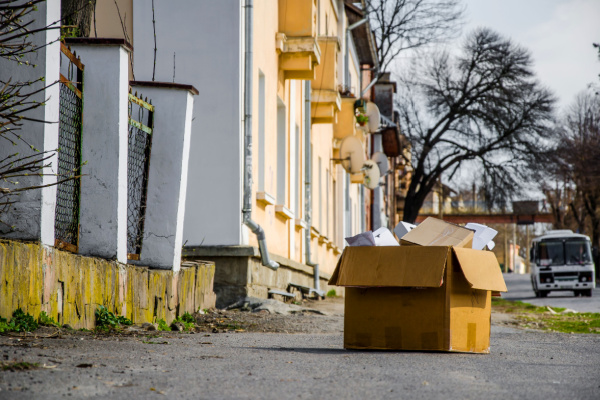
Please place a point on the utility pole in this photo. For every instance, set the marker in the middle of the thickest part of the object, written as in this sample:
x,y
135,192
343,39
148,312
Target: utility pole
x,y
505,248
514,255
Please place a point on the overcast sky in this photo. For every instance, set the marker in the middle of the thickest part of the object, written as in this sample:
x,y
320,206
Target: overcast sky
x,y
559,33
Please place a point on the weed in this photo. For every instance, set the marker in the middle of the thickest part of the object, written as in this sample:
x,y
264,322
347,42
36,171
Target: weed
x,y
331,293
46,320
162,325
106,320
20,322
187,320
18,366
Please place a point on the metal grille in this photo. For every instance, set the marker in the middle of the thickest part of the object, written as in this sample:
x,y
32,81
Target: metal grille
x,y
141,118
66,223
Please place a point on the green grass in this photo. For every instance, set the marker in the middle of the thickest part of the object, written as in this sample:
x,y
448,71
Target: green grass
x,y
331,293
18,366
509,306
106,320
534,317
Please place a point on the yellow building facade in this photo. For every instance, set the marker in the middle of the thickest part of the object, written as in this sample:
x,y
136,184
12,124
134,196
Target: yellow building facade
x,y
300,87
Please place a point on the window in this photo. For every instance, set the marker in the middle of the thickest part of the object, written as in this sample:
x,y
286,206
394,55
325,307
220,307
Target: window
x,y
261,131
281,152
297,169
319,171
327,179
334,193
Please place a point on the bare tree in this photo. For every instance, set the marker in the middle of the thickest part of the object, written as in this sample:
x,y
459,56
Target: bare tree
x,y
77,15
575,160
483,107
399,25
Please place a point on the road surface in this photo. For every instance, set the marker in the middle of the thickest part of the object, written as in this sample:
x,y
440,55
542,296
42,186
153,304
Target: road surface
x,y
519,288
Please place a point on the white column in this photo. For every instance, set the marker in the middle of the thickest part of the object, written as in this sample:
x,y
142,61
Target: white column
x,y
167,182
103,215
32,216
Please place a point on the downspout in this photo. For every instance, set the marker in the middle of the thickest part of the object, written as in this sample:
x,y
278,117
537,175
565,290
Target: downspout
x,y
247,206
374,81
307,184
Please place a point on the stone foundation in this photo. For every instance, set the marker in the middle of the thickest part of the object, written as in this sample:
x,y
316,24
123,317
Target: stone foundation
x,y
239,272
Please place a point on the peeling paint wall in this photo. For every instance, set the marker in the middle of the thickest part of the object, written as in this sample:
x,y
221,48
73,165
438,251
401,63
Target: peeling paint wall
x,y
69,287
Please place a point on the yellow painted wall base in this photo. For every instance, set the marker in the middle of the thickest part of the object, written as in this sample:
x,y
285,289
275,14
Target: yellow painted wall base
x,y
69,287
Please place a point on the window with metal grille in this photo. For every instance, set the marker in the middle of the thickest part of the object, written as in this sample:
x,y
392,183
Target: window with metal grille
x,y
141,122
66,223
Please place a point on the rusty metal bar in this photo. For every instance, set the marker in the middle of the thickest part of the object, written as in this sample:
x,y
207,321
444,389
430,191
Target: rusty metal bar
x,y
70,85
67,52
140,126
141,102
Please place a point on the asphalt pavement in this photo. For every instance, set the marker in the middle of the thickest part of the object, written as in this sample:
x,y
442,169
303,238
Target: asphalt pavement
x,y
523,364
519,288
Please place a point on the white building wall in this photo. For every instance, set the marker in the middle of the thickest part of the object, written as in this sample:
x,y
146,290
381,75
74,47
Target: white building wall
x,y
32,216
206,40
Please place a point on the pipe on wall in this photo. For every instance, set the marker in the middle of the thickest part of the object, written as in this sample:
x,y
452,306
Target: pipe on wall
x,y
247,204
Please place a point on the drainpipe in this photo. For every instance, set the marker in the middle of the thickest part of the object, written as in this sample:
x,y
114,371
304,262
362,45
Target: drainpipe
x,y
307,184
370,85
247,206
347,53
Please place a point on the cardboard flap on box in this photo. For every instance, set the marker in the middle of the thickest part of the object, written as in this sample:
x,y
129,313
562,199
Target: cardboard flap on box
x,y
435,232
481,269
393,266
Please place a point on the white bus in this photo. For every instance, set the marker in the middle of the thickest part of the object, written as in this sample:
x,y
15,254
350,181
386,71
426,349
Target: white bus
x,y
562,260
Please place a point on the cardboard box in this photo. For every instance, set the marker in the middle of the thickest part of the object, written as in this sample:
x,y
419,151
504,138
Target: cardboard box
x,y
418,298
435,232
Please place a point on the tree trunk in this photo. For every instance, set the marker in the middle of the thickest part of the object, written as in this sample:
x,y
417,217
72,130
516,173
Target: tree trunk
x,y
78,13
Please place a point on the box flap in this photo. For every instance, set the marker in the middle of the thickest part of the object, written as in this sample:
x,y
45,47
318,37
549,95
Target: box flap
x,y
392,266
481,269
435,232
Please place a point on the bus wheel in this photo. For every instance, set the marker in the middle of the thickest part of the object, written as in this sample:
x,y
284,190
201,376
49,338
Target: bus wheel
x,y
587,293
544,293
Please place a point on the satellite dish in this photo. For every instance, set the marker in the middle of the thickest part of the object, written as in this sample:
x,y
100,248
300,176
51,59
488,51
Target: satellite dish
x,y
372,175
352,154
374,117
382,162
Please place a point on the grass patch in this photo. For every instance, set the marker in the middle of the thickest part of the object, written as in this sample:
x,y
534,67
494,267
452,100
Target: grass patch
x,y
18,366
507,306
331,293
534,317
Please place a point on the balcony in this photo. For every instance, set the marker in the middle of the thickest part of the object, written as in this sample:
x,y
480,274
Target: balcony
x,y
346,121
325,98
298,56
298,17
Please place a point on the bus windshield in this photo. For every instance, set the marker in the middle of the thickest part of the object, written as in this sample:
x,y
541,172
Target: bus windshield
x,y
564,252
577,252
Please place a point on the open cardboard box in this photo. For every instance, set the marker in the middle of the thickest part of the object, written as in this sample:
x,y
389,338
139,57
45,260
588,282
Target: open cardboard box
x,y
418,297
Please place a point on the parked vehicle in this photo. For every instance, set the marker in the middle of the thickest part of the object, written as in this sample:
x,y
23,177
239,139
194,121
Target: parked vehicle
x,y
562,260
